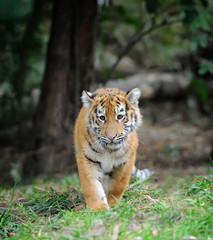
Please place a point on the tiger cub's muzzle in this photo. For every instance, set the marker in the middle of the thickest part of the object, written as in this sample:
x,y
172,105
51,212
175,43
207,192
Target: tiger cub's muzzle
x,y
113,140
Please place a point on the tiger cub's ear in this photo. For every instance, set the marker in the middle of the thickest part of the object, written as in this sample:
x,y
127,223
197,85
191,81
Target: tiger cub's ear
x,y
133,95
87,98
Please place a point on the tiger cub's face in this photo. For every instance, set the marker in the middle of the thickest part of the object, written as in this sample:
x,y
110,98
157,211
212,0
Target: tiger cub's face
x,y
112,116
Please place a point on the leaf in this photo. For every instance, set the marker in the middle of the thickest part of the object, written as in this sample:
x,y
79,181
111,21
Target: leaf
x,y
205,18
206,67
14,9
193,46
209,167
199,88
202,71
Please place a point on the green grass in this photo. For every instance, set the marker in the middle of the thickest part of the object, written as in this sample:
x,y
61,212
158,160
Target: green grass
x,y
176,209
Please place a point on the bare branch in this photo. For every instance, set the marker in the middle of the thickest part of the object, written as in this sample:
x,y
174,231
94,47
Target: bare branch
x,y
137,37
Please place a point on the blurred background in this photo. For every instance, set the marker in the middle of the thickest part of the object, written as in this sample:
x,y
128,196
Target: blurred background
x,y
50,50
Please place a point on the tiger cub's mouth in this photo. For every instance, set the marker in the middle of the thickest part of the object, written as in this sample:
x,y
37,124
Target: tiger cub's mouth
x,y
114,144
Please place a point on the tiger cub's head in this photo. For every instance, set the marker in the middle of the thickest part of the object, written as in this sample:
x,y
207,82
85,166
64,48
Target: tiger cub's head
x,y
112,115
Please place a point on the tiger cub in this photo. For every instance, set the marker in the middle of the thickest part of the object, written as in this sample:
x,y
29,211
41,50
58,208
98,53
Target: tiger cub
x,y
106,142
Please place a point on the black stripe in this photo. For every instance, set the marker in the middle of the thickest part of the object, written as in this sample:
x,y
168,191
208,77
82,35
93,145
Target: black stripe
x,y
127,107
102,102
127,120
91,160
122,164
118,100
91,147
136,118
109,173
90,122
118,103
100,180
97,129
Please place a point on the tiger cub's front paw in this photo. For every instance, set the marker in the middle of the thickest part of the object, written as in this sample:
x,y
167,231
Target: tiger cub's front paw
x,y
98,206
97,203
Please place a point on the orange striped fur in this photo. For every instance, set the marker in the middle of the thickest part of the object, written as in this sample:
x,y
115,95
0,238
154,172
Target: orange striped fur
x,y
106,142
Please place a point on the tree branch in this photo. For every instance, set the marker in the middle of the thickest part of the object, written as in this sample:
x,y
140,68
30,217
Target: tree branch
x,y
137,37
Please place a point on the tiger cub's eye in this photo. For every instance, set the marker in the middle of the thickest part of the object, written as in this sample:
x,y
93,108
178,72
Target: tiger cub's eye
x,y
119,116
102,118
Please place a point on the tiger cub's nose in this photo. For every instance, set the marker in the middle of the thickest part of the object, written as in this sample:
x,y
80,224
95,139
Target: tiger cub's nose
x,y
111,137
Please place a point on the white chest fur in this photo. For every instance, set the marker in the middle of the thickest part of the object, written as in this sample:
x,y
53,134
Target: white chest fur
x,y
107,162
110,160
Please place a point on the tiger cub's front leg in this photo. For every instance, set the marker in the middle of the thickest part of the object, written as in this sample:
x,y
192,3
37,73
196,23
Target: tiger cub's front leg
x,y
91,183
120,181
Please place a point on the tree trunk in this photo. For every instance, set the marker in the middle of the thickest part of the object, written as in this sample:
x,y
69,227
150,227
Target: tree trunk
x,y
69,69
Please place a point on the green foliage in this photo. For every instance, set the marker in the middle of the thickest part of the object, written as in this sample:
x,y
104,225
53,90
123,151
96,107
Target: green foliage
x,y
206,67
177,209
199,88
21,60
202,189
153,6
119,20
8,220
14,9
51,202
119,23
122,22
210,167
198,19
13,19
160,47
41,204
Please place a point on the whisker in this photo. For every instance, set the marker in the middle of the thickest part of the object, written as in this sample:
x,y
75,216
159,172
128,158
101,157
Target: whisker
x,y
95,144
129,145
141,141
120,152
92,138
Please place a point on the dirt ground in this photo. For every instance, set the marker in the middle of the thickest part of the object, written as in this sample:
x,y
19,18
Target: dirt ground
x,y
175,140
